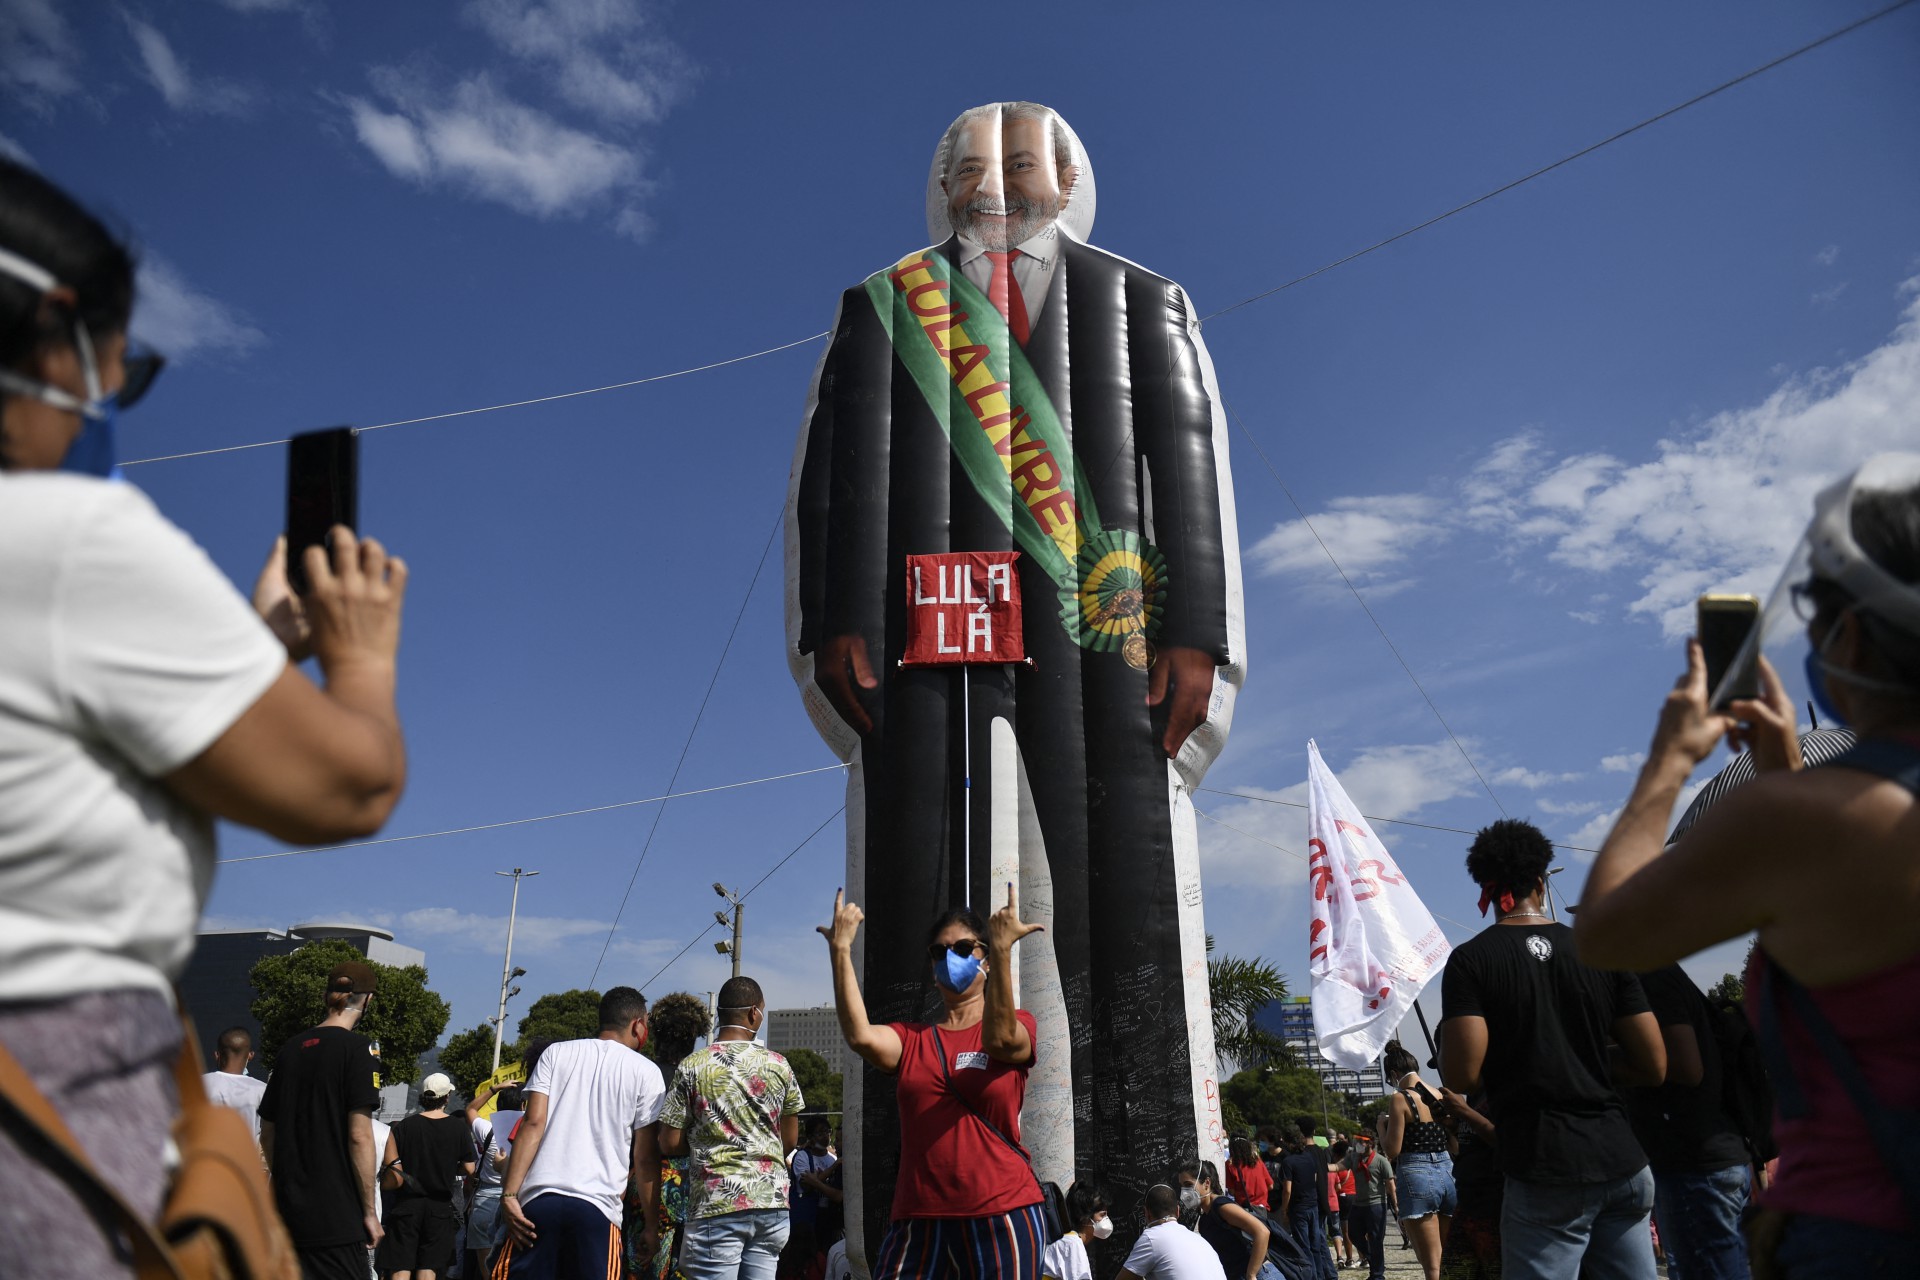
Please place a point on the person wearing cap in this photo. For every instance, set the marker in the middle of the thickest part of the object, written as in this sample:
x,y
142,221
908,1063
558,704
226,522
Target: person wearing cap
x,y
1824,863
316,1127
425,1153
141,697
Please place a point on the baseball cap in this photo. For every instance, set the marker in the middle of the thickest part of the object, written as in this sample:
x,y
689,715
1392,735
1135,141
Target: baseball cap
x,y
350,977
437,1085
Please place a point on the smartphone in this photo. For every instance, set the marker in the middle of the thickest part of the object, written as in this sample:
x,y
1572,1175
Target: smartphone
x,y
1724,623
323,490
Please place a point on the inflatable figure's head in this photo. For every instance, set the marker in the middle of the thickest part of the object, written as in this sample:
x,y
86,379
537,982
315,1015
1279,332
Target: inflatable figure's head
x,y
1006,172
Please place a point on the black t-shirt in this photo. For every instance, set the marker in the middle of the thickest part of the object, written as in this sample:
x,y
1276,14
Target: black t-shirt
x,y
1683,1127
320,1076
1548,1019
431,1150
1235,1249
1306,1180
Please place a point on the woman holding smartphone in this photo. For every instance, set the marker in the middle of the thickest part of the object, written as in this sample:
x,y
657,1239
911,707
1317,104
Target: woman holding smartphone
x,y
140,699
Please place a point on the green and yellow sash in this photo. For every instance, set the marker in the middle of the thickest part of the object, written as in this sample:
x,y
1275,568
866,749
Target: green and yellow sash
x,y
1009,440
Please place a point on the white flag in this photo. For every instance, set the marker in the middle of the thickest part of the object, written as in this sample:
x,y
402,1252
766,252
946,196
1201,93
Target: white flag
x,y
1373,945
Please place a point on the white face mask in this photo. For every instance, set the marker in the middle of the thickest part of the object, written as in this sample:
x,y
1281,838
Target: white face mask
x,y
1102,1227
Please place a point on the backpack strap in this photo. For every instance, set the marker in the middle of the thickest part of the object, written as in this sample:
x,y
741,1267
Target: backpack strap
x,y
44,1135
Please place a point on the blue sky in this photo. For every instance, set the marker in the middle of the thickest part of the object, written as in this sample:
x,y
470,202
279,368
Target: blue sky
x,y
1530,433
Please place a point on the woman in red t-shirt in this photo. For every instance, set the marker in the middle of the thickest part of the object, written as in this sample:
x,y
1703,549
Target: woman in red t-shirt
x,y
1248,1181
965,1187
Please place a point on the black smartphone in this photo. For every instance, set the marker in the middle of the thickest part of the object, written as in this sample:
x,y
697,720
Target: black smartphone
x,y
323,490
1723,624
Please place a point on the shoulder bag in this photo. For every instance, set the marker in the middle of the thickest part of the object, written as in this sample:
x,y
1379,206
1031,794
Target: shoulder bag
x,y
219,1221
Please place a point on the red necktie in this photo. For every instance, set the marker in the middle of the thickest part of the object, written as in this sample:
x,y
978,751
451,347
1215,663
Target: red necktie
x,y
1005,294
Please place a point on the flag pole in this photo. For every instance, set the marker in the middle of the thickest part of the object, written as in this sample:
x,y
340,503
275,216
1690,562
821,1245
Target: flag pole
x,y
1433,1054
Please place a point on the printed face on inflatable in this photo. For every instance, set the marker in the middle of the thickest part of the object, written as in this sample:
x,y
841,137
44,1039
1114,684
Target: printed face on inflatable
x,y
1004,184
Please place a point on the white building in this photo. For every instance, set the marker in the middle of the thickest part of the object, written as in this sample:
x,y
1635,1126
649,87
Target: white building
x,y
817,1029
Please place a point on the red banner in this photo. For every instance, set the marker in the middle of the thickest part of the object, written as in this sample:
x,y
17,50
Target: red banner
x,y
963,606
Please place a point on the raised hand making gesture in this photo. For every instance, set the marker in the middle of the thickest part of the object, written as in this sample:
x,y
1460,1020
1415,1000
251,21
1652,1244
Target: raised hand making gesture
x,y
1006,927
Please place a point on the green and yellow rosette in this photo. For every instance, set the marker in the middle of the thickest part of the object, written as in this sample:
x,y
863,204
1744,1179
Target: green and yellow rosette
x,y
1118,597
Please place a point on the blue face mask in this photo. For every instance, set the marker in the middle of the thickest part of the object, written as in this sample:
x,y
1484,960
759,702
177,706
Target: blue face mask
x,y
92,452
956,973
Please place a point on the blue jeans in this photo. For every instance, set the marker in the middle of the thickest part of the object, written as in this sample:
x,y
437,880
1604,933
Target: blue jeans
x,y
1303,1219
745,1244
1595,1230
1426,1184
1699,1216
1827,1249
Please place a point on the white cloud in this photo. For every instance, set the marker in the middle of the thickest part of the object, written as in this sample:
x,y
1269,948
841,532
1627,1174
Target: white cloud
x,y
1532,780
1571,809
532,935
1625,762
181,321
1828,296
479,140
39,58
14,151
1591,617
1827,256
169,75
264,6
1366,535
600,55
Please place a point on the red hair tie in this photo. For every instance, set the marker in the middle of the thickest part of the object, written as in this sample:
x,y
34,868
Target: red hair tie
x,y
1486,898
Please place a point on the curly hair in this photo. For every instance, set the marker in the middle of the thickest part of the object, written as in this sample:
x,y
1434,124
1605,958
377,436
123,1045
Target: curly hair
x,y
1510,856
677,1021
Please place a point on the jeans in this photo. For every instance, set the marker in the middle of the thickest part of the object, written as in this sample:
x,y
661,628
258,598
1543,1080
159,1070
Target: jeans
x,y
1815,1248
1303,1220
746,1245
1595,1230
1369,1224
1426,1184
1699,1216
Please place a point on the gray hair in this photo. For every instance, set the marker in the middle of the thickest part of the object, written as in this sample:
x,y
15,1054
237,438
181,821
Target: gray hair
x,y
1062,145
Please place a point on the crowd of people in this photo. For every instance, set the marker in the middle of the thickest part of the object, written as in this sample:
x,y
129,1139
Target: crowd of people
x,y
1587,1090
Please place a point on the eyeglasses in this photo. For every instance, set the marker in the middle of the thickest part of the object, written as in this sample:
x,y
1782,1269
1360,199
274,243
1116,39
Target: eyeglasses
x,y
142,365
962,947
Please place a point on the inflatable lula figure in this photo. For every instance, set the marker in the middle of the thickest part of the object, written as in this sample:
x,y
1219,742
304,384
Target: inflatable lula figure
x,y
1012,389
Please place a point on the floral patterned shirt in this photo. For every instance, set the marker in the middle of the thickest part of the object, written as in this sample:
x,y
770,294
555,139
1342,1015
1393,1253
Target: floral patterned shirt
x,y
730,1098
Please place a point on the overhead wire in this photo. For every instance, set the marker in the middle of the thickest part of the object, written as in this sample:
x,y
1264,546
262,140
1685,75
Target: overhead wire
x,y
687,746
748,894
1400,822
545,817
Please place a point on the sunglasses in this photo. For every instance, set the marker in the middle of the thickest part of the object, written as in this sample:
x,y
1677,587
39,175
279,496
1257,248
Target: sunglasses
x,y
142,366
962,947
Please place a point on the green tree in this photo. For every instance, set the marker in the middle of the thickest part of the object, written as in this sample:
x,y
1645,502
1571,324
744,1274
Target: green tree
x,y
1264,1097
819,1083
1239,989
468,1058
406,1017
1732,987
561,1015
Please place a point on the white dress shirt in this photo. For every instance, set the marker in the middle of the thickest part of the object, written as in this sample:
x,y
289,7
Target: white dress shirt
x,y
1032,270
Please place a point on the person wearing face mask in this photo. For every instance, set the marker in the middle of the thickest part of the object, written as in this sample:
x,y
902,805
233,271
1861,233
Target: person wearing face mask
x,y
1825,864
1066,1258
734,1107
1238,1237
966,1201
1166,1250
141,698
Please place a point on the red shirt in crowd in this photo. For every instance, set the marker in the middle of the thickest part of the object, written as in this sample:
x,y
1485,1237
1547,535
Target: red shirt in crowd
x,y
1249,1183
951,1166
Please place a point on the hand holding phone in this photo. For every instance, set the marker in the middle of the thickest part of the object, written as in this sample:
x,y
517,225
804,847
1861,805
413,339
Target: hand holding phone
x,y
1724,623
323,490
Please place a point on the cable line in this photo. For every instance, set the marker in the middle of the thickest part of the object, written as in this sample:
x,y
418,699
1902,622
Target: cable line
x,y
1399,822
748,894
686,746
1809,47
1365,608
511,404
545,817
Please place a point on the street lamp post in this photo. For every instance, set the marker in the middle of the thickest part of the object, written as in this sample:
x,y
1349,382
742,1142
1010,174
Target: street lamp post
x,y
507,972
739,911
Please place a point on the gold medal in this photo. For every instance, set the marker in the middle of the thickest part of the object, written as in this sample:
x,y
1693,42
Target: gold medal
x,y
1137,651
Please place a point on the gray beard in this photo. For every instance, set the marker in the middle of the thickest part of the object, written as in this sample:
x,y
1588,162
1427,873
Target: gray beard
x,y
1025,221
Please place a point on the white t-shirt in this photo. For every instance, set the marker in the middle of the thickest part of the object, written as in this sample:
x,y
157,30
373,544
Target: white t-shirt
x,y
124,653
1171,1252
838,1268
598,1093
380,1131
485,1174
241,1092
1066,1259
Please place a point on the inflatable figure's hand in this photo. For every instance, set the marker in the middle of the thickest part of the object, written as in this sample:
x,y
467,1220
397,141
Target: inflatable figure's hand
x,y
839,664
1191,673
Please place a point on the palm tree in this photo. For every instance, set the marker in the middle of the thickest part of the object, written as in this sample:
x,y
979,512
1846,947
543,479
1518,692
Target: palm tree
x,y
1239,990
